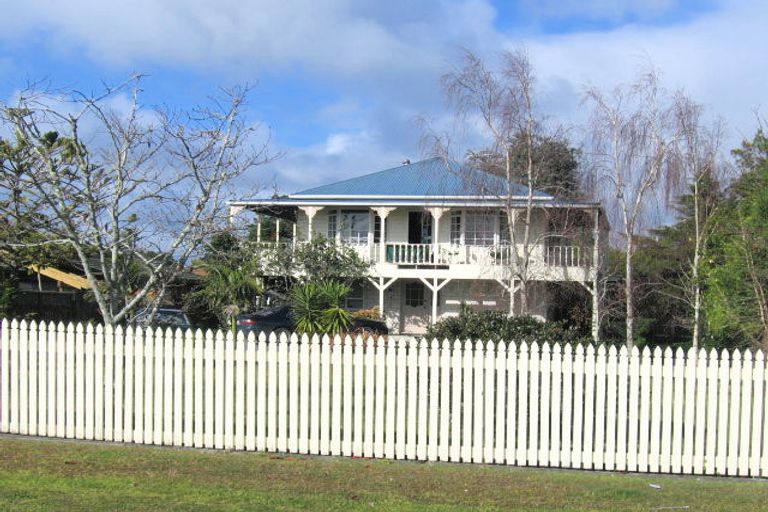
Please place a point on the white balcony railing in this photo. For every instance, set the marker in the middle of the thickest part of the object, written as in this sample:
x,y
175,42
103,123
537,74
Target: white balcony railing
x,y
455,254
565,256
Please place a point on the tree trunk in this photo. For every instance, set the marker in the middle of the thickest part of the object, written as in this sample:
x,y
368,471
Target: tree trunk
x,y
628,294
695,267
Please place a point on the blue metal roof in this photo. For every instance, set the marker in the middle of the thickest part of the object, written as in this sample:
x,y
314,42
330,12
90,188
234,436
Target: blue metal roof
x,y
434,177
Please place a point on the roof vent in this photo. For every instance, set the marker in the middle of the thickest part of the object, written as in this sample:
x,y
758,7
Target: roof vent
x,y
406,162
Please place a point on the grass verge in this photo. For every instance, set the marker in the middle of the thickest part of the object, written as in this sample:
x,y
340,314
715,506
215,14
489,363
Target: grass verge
x,y
37,474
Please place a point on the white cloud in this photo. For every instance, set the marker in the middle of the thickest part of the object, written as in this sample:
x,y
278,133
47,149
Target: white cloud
x,y
384,59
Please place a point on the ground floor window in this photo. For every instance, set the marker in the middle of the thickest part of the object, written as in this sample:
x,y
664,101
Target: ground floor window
x,y
414,294
354,300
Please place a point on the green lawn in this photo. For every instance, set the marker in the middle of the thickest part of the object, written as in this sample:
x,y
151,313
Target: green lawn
x,y
60,475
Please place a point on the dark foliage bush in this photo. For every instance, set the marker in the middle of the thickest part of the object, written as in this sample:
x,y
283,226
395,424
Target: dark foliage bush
x,y
498,326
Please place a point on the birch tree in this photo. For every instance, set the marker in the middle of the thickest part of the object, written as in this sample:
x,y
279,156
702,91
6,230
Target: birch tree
x,y
502,105
134,192
697,153
631,137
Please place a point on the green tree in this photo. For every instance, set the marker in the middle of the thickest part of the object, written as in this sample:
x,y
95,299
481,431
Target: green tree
x,y
736,262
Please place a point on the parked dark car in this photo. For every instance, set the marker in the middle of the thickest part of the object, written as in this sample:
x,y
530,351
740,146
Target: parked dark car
x,y
280,320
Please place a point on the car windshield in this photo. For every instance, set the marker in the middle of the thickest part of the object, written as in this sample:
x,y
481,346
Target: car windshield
x,y
165,318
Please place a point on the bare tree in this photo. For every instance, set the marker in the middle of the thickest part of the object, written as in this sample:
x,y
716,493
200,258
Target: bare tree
x,y
632,135
697,153
134,192
502,105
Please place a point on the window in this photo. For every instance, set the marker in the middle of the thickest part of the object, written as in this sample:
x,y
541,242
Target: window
x,y
354,300
354,226
504,227
332,224
480,228
414,294
456,227
376,229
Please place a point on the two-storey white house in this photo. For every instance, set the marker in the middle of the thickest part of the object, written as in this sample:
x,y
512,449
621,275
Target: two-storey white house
x,y
437,236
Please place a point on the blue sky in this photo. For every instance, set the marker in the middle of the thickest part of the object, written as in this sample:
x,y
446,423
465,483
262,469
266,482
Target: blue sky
x,y
340,82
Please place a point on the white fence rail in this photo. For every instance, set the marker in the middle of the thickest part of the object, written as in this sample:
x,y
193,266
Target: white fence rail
x,y
528,405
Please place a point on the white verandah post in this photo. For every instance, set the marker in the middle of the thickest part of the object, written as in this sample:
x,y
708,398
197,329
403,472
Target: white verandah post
x,y
310,212
383,213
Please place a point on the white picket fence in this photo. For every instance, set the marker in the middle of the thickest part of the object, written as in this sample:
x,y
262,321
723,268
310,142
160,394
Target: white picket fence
x,y
527,405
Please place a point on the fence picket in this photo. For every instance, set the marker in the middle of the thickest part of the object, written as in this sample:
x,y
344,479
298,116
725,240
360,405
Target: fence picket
x,y
622,404
533,407
293,392
128,390
712,412
589,408
758,377
116,387
325,394
208,412
733,423
22,379
358,390
50,430
645,387
314,412
389,397
555,402
511,447
304,379
229,392
282,392
578,402
523,362
33,366
250,394
138,388
5,376
466,409
347,374
80,383
42,350
189,386
271,388
489,391
199,420
566,409
241,392
379,420
634,405
699,455
745,419
456,376
434,400
369,392
477,402
501,402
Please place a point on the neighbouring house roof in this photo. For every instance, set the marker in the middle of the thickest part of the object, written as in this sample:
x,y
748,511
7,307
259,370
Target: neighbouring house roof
x,y
67,278
434,177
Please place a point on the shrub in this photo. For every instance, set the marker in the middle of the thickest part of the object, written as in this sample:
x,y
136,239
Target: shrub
x,y
370,313
317,307
498,326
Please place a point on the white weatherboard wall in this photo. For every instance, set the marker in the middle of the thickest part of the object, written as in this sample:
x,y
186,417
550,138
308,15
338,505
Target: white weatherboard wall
x,y
527,405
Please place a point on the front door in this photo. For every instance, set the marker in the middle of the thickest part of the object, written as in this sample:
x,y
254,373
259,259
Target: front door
x,y
415,308
419,228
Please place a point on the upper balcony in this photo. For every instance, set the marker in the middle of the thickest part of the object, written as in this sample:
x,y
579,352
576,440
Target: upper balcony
x,y
461,261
